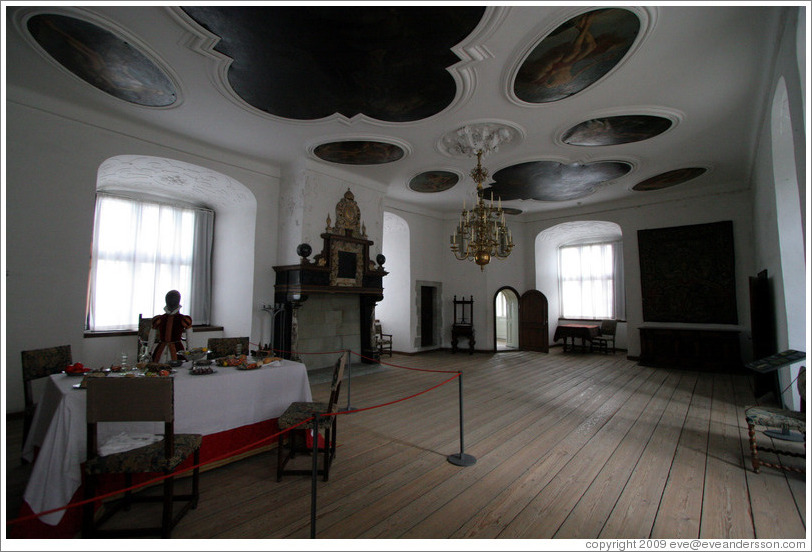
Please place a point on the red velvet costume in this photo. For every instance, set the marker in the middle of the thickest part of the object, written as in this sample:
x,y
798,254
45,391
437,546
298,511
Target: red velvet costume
x,y
170,329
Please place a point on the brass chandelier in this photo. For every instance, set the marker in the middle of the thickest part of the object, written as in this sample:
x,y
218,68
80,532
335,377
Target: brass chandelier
x,y
481,232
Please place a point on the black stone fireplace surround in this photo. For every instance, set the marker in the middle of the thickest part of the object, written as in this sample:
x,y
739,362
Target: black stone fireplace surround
x,y
343,266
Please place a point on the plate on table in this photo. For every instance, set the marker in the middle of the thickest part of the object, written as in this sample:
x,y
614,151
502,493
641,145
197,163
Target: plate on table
x,y
77,374
202,371
251,366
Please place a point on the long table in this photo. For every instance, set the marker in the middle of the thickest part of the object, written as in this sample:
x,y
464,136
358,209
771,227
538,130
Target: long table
x,y
572,331
212,405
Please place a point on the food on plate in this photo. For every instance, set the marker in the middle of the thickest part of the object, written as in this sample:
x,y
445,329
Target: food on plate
x,y
76,368
231,360
201,370
268,360
196,353
155,367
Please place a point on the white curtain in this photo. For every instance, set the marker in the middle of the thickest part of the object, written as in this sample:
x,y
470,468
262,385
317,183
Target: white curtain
x,y
200,300
141,250
587,281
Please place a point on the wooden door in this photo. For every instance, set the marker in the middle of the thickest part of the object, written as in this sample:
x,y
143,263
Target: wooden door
x,y
533,327
426,316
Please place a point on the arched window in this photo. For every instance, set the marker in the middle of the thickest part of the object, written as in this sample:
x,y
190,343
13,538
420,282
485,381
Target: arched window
x,y
171,187
142,249
394,311
587,279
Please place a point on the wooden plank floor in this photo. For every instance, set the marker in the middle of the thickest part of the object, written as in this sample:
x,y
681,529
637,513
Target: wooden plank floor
x,y
567,446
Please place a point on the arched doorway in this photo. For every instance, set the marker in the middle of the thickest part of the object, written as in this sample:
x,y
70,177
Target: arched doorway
x,y
533,326
506,319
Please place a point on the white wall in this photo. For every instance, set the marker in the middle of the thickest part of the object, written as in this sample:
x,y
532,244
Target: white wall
x,y
395,312
789,289
52,165
735,206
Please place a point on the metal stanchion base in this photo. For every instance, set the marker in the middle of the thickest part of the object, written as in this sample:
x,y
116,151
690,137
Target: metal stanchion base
x,y
346,408
461,459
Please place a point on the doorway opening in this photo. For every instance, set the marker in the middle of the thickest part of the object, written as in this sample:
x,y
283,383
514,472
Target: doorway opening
x,y
506,319
427,316
427,299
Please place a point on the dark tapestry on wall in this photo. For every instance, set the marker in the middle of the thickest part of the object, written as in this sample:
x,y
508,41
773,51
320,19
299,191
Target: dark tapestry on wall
x,y
687,274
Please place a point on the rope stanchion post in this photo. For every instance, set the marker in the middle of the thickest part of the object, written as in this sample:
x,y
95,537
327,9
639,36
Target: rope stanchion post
x,y
349,406
313,485
461,459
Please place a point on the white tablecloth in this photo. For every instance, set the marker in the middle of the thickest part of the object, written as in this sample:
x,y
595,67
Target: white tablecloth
x,y
204,404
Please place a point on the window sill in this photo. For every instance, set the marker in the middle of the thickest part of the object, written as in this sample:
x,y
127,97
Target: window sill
x,y
561,318
118,333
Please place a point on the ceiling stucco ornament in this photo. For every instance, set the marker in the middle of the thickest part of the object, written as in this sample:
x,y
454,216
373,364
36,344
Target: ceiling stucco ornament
x,y
486,137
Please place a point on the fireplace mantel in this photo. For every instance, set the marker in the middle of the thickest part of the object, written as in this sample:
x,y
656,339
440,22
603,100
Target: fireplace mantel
x,y
342,267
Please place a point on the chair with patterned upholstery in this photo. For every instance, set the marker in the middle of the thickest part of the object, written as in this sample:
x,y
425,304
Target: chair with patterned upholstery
x,y
225,346
780,418
605,337
299,412
40,363
114,399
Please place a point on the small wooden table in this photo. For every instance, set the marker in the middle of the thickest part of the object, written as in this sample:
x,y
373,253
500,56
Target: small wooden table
x,y
573,331
462,330
463,323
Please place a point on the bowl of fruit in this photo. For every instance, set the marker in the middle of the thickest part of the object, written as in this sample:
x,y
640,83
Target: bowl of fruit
x,y
197,353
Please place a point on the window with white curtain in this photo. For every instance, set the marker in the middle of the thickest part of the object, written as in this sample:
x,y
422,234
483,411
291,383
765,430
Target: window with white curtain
x,y
141,250
588,280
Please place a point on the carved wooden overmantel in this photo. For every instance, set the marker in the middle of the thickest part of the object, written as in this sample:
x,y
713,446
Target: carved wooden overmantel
x,y
343,266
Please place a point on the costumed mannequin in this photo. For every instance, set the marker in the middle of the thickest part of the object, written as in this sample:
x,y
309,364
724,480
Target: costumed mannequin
x,y
170,328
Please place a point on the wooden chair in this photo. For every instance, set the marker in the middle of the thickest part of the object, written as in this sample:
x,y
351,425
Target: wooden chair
x,y
779,418
114,399
605,337
144,329
36,364
225,346
296,413
383,341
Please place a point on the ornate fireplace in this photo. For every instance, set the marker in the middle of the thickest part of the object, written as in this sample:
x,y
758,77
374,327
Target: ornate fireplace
x,y
342,270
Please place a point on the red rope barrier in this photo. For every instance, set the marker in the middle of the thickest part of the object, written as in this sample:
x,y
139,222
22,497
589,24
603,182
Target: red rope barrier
x,y
405,367
157,479
235,452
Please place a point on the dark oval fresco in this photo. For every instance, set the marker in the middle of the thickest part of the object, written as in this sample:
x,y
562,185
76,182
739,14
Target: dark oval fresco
x,y
309,62
359,152
102,59
611,131
553,181
575,55
668,179
433,181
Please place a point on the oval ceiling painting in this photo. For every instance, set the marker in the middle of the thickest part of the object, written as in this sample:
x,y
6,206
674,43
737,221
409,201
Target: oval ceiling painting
x,y
359,152
610,131
668,179
433,181
553,181
310,62
575,55
512,211
102,59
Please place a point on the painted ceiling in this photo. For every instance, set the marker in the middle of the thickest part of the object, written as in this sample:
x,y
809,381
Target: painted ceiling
x,y
609,103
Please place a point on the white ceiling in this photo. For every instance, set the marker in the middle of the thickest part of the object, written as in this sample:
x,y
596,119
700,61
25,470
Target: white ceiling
x,y
703,67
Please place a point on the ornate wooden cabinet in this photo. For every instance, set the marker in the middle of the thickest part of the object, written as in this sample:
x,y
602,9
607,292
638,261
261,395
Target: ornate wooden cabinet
x,y
691,348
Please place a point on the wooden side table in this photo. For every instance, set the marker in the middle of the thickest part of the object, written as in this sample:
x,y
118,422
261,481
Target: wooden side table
x,y
463,323
465,331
